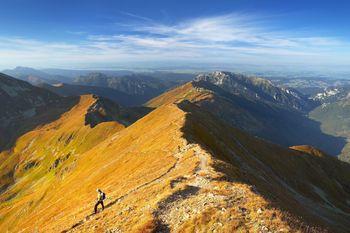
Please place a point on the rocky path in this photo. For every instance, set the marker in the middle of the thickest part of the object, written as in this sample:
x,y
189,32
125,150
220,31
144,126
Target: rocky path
x,y
197,196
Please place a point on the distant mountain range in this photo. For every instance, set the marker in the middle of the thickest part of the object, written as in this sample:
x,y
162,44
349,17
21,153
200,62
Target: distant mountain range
x,y
63,89
133,84
124,87
36,77
75,73
56,75
141,87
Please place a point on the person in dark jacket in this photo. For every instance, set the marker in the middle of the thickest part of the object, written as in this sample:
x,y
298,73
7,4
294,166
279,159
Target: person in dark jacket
x,y
101,196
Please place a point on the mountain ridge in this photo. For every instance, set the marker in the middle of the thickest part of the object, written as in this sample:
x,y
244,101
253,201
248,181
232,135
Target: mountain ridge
x,y
265,119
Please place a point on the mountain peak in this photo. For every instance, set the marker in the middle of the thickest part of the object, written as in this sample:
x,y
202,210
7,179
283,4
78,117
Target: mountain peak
x,y
221,76
257,89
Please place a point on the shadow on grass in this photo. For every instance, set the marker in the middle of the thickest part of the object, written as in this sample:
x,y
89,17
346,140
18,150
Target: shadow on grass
x,y
164,205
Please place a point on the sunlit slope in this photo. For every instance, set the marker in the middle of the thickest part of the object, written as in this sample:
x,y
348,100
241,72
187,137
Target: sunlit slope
x,y
133,157
50,151
178,169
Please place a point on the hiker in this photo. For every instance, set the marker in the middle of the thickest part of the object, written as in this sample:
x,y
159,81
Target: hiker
x,y
101,196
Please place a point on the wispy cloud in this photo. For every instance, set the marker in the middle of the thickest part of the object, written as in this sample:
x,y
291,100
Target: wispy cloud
x,y
229,32
226,38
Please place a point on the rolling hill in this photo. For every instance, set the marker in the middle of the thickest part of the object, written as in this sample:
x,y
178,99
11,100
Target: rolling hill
x,y
179,168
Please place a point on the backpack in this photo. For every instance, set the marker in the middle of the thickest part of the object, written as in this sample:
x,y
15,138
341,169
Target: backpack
x,y
103,196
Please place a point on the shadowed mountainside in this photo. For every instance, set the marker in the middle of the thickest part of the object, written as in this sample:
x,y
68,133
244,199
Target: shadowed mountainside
x,y
24,107
289,180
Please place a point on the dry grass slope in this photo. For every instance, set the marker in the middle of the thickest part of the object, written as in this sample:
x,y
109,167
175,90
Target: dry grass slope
x,y
178,169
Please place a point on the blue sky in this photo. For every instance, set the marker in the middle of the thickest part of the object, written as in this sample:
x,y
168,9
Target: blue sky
x,y
123,34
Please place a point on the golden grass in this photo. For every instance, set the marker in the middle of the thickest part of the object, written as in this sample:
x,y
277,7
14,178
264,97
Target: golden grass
x,y
152,170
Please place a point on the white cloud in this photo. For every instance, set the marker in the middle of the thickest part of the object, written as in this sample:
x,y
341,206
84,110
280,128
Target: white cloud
x,y
225,38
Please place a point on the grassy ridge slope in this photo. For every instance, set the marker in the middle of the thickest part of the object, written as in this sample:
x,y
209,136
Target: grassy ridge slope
x,y
178,168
